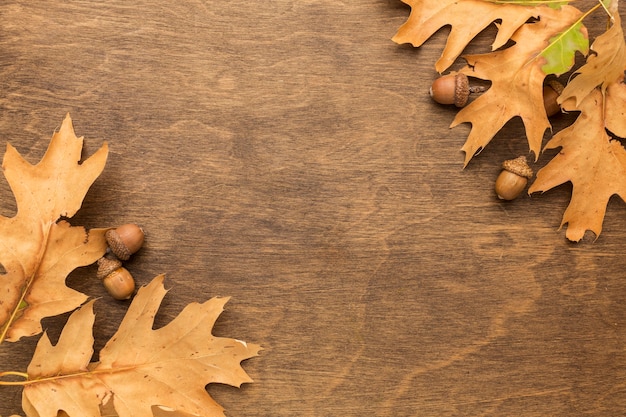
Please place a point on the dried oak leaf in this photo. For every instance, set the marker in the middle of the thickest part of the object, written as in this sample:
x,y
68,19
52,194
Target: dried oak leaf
x,y
38,247
589,159
139,368
517,75
428,16
604,67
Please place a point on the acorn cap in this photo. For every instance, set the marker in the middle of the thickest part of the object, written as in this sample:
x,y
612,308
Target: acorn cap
x,y
556,86
461,84
125,240
106,265
518,166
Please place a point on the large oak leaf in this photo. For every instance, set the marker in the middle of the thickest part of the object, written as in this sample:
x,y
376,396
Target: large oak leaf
x,y
428,16
139,368
517,79
38,247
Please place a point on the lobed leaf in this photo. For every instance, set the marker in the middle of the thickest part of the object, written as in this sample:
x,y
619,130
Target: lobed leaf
x,y
517,79
604,67
38,248
139,368
428,16
589,159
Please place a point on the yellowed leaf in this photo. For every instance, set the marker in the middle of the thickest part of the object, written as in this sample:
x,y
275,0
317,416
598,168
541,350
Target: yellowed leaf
x,y
139,368
591,161
38,247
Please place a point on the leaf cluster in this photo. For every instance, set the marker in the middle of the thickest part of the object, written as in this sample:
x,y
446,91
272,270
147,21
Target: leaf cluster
x,y
141,371
537,41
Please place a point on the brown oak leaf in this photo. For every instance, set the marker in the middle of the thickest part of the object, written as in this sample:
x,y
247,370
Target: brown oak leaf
x,y
38,247
603,68
140,369
589,159
517,83
428,16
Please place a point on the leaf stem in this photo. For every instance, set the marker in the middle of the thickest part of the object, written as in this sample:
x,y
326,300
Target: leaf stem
x,y
588,12
606,9
28,381
14,373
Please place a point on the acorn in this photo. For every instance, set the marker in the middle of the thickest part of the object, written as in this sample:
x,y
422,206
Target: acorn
x,y
106,265
120,284
453,89
513,178
551,92
125,240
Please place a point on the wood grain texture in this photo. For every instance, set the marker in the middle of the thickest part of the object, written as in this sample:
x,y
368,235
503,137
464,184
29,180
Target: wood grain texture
x,y
285,153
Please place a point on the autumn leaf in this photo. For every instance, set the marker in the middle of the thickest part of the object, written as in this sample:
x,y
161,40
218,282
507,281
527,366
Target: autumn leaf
x,y
604,67
139,368
589,159
517,77
428,16
38,247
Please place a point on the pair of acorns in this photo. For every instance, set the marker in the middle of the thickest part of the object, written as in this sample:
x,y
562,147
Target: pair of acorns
x,y
123,242
455,89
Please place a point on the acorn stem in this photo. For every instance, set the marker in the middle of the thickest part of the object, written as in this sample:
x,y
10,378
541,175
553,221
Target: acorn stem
x,y
477,89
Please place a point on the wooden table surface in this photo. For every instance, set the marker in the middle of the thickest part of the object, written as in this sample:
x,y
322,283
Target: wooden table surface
x,y
286,153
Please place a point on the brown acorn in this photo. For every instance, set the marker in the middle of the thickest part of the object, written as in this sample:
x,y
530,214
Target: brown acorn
x,y
513,178
125,240
453,89
119,284
551,92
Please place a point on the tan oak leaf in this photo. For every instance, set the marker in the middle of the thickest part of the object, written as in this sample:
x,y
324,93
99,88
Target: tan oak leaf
x,y
516,77
467,19
594,163
140,368
38,247
602,68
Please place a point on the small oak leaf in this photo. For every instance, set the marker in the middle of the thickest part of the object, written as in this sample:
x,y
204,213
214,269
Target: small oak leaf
x,y
590,160
604,67
38,248
139,368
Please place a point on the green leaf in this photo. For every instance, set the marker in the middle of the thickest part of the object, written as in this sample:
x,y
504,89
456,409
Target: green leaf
x,y
561,50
